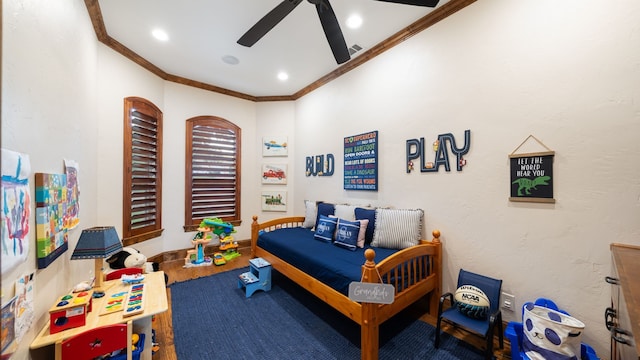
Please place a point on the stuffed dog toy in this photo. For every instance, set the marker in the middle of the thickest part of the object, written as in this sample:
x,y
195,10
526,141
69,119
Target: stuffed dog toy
x,y
127,258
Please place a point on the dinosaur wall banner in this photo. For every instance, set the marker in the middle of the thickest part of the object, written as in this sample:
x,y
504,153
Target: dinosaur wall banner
x,y
532,176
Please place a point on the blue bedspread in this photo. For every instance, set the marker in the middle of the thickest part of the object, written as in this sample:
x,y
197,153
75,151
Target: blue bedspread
x,y
328,263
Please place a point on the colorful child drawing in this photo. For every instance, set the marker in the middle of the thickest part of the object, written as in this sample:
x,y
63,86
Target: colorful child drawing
x,y
72,215
16,202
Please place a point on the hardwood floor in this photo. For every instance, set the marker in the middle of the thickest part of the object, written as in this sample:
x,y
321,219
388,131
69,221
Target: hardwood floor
x,y
176,273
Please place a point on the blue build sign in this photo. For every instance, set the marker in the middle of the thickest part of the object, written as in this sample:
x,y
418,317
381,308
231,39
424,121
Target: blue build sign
x,y
361,162
320,165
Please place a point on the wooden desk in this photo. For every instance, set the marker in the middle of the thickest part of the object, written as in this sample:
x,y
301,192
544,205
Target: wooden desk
x,y
155,302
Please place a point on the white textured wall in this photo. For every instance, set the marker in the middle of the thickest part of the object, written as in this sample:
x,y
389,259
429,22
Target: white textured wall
x,y
567,72
119,78
275,119
182,103
49,106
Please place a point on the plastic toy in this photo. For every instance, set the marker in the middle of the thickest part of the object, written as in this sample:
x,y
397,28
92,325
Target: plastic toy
x,y
134,341
134,301
132,279
155,346
218,259
514,332
228,243
70,311
218,227
137,347
223,230
196,256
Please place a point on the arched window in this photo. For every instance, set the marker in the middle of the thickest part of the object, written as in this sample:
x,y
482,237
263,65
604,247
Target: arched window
x,y
212,187
142,193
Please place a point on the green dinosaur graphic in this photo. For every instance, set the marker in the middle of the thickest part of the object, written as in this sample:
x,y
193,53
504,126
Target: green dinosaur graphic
x,y
528,184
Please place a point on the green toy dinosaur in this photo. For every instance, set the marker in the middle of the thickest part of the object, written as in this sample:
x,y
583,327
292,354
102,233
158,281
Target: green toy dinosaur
x,y
528,184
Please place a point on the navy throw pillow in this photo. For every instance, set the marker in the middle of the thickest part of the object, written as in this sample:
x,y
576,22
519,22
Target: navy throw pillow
x,y
347,234
324,209
325,229
369,214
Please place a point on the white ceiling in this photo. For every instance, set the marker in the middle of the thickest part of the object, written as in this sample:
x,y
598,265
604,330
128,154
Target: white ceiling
x,y
201,32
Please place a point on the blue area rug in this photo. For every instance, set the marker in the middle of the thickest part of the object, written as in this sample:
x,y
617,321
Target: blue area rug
x,y
212,319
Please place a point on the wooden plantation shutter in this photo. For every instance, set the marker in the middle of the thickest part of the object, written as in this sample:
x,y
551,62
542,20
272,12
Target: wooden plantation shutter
x,y
142,200
212,186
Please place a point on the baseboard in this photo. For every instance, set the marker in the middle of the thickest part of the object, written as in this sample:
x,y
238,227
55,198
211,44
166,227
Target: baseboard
x,y
182,253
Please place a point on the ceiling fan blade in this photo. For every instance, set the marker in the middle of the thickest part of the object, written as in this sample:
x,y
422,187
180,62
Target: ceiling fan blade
x,y
267,23
332,31
427,3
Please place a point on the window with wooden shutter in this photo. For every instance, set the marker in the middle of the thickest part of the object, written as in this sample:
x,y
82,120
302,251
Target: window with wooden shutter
x,y
142,200
212,187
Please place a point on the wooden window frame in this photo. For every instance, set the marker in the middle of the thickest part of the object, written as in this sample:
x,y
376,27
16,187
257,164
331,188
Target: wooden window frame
x,y
191,223
132,236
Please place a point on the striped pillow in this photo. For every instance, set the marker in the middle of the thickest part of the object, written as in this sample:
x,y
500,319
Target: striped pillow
x,y
310,214
397,228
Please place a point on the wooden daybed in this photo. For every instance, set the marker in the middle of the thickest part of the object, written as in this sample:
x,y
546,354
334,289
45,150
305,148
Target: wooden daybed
x,y
420,268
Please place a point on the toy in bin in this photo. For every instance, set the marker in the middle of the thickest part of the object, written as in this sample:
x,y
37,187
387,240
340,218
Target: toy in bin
x,y
137,346
555,334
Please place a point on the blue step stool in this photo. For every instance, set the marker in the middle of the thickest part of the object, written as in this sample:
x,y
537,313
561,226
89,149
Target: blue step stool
x,y
514,334
257,278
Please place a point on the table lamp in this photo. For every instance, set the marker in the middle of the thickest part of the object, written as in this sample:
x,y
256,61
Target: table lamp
x,y
97,243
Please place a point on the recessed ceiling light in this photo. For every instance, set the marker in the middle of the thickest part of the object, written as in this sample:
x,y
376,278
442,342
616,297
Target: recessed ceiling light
x,y
230,59
354,21
282,76
160,34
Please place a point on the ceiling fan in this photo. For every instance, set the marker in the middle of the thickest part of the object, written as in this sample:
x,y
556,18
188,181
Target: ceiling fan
x,y
328,20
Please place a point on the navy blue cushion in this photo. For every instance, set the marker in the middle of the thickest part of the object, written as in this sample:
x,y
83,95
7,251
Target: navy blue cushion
x,y
347,234
369,214
325,209
325,229
325,262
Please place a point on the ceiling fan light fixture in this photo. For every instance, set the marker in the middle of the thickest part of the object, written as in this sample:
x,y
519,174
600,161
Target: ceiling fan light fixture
x,y
160,34
283,76
354,21
230,59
